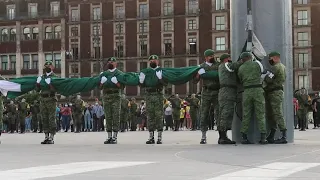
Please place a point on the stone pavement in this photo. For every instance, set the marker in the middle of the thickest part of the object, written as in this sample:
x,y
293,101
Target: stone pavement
x,y
181,157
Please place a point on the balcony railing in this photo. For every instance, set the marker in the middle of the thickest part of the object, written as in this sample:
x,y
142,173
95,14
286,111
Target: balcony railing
x,y
33,15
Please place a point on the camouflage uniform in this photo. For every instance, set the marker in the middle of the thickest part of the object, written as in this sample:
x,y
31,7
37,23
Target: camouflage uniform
x,y
11,109
22,111
194,107
124,113
112,102
78,113
154,99
249,74
133,115
274,100
227,97
47,103
303,108
36,116
176,107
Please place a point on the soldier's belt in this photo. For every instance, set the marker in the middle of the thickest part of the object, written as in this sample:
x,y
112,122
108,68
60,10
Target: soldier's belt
x,y
48,95
153,90
228,86
253,86
211,88
110,91
274,89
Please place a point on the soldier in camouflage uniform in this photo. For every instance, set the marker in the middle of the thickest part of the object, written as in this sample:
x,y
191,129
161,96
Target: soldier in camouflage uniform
x,y
36,116
78,113
209,94
194,107
11,109
22,110
302,98
133,109
124,113
274,99
47,102
249,75
154,97
227,96
112,99
176,107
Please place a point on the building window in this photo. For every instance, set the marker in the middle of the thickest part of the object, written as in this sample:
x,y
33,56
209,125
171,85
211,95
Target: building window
x,y
143,48
220,43
48,57
33,10
220,5
75,51
74,15
303,81
119,49
4,35
96,13
95,67
35,33
12,62
119,28
302,17
167,47
11,12
303,39
57,60
35,61
74,31
48,32
143,11
119,12
192,46
302,1
96,30
26,61
74,68
220,23
13,34
55,9
192,6
143,27
26,33
167,26
167,64
57,32
192,24
4,63
120,66
303,60
167,8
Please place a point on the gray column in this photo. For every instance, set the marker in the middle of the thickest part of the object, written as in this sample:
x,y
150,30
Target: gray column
x,y
18,51
272,23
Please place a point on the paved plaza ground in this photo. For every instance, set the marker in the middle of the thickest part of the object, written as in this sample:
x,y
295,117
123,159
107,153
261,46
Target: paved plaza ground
x,y
84,156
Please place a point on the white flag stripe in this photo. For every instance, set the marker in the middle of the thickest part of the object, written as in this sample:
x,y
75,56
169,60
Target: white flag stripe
x,y
257,48
63,169
271,171
6,86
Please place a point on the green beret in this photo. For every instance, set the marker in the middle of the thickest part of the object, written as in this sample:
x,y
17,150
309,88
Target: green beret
x,y
224,56
153,57
245,54
48,63
113,59
208,52
274,53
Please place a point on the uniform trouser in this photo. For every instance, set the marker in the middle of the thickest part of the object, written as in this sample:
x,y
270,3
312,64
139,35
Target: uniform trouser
x,y
302,118
112,109
176,118
226,110
48,114
77,121
22,123
123,120
133,122
34,121
193,115
154,111
208,101
253,102
274,112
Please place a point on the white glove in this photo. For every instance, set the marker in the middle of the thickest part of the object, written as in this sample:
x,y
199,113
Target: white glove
x,y
271,75
114,80
201,71
142,76
103,80
48,80
159,74
39,79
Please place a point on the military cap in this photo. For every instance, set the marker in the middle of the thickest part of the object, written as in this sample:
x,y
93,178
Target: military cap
x,y
208,52
245,54
113,59
274,53
153,57
224,56
48,63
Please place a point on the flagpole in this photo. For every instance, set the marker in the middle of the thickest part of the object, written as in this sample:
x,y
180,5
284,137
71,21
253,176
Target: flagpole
x,y
249,25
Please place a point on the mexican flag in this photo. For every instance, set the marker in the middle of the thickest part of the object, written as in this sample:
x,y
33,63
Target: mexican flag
x,y
17,86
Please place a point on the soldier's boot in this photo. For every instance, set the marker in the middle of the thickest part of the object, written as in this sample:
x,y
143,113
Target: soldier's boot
x,y
263,139
270,137
204,137
46,138
151,138
159,141
223,139
40,128
115,138
109,139
245,139
283,139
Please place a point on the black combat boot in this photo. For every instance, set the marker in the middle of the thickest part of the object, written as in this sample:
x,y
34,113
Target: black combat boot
x,y
270,137
204,137
223,138
46,139
159,137
109,139
151,138
263,139
283,139
245,139
115,138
